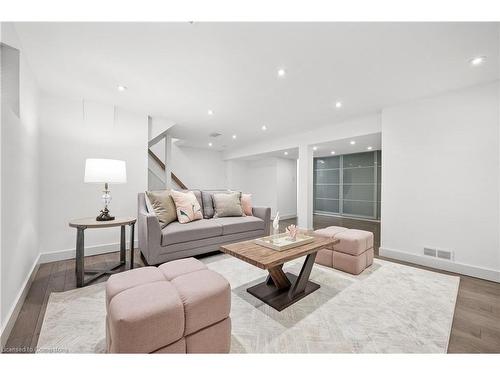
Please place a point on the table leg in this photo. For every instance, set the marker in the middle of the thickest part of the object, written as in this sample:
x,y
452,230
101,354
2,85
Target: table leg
x,y
122,245
281,289
300,284
132,240
278,277
79,257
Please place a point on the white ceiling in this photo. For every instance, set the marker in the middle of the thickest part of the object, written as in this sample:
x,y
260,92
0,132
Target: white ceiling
x,y
340,146
180,70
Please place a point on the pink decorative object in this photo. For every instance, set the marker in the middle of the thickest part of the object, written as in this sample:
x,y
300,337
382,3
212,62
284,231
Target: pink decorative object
x,y
246,204
292,231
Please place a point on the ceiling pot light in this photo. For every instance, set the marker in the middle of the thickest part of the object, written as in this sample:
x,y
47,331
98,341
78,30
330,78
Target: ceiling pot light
x,y
234,136
338,105
352,142
121,88
332,152
286,153
315,148
281,72
210,112
264,127
369,148
478,60
210,144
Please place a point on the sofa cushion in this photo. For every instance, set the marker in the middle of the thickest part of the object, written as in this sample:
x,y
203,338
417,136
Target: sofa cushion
x,y
197,194
208,203
246,203
227,204
232,225
196,230
206,296
162,205
171,270
187,206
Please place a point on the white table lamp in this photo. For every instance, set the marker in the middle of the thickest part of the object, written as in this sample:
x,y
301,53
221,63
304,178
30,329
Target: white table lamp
x,y
105,171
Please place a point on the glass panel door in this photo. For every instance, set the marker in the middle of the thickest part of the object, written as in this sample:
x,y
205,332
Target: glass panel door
x,y
348,185
327,185
359,185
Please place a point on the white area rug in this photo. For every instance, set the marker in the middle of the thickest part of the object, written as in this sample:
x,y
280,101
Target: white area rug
x,y
389,308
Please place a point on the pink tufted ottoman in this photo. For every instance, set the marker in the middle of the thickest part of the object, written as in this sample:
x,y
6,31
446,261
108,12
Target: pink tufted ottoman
x,y
353,253
179,307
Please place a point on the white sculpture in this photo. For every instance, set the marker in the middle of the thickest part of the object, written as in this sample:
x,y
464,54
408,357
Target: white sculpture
x,y
276,223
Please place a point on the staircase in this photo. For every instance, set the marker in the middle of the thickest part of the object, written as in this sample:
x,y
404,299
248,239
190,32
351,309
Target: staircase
x,y
158,179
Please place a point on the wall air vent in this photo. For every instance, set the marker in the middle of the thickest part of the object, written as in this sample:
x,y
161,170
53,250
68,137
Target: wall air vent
x,y
429,252
444,254
214,135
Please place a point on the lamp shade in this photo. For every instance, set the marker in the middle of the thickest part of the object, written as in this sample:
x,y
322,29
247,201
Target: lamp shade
x,y
105,170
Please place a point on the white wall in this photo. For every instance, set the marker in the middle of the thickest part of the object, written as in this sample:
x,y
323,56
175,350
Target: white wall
x,y
440,180
72,130
199,168
287,187
271,181
19,186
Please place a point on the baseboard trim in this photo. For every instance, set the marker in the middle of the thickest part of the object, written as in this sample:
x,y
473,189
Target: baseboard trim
x,y
441,264
54,256
16,308
48,257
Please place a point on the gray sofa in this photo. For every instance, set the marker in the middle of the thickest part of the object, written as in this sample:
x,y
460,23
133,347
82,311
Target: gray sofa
x,y
178,240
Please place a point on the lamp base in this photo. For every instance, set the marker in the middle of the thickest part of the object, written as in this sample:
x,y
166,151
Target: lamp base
x,y
105,216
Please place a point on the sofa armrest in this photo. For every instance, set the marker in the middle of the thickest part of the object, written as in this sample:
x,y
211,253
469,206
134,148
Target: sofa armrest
x,y
263,213
149,229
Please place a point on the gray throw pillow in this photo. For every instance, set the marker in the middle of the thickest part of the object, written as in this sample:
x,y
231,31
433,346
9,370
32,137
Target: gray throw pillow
x,y
227,204
163,206
208,203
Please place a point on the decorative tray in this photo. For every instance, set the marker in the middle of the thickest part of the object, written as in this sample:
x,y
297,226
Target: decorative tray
x,y
282,242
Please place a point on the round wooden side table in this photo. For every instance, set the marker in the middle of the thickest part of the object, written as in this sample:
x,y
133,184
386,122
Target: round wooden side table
x,y
89,223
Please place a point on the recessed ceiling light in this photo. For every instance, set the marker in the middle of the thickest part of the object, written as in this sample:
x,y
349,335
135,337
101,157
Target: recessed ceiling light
x,y
234,136
121,88
210,112
369,148
352,142
210,144
264,127
332,152
315,148
286,152
478,60
281,72
338,105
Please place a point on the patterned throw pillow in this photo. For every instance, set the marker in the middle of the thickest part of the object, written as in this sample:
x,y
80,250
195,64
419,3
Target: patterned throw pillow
x,y
227,204
246,204
187,206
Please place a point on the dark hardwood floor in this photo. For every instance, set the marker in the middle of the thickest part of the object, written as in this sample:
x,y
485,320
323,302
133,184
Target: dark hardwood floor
x,y
476,323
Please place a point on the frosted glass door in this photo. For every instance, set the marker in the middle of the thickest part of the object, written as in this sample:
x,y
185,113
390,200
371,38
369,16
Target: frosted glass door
x,y
327,185
348,185
359,184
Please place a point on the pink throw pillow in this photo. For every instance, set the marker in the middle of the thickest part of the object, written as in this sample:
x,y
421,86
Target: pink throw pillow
x,y
187,206
246,204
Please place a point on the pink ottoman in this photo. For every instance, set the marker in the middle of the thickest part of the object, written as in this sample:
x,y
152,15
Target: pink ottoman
x,y
179,307
353,253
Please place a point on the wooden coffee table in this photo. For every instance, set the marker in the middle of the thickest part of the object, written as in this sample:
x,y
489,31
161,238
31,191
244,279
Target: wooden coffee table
x,y
280,289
